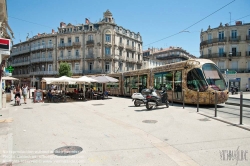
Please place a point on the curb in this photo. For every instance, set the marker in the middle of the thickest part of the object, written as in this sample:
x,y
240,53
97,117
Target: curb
x,y
236,104
233,124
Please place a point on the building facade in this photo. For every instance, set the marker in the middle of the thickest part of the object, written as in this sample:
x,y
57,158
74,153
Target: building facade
x,y
90,48
157,57
229,47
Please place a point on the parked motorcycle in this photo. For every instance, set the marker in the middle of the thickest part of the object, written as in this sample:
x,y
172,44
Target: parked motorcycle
x,y
155,99
138,99
234,90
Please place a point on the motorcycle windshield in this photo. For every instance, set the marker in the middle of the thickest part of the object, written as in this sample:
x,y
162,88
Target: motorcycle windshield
x,y
214,77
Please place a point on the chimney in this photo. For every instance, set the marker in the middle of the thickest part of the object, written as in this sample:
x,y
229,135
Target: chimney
x,y
62,24
238,23
53,31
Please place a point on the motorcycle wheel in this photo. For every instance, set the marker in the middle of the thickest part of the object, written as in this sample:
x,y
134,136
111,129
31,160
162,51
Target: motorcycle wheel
x,y
167,104
136,104
148,107
55,99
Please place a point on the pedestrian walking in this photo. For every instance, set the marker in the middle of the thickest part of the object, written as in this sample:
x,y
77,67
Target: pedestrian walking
x,y
25,92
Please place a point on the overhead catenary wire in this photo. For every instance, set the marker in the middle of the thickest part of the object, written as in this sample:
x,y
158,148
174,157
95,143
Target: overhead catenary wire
x,y
192,24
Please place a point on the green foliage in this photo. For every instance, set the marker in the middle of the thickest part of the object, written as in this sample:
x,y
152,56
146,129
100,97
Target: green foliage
x,y
64,70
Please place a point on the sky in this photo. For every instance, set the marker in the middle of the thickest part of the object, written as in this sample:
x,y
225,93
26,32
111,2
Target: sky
x,y
161,23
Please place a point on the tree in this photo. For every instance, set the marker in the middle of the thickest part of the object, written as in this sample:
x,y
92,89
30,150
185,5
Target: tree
x,y
64,70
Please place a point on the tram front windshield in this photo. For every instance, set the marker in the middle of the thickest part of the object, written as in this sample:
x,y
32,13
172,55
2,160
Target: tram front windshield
x,y
214,77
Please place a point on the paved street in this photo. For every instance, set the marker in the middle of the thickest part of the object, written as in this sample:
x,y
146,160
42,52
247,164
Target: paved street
x,y
114,132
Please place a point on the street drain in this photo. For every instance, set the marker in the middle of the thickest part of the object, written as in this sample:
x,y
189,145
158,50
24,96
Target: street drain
x,y
67,150
149,121
97,104
205,119
28,108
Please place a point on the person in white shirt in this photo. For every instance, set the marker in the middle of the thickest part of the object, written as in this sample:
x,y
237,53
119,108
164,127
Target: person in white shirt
x,y
25,92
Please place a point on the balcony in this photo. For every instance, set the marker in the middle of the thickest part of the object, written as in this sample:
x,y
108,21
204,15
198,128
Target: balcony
x,y
121,58
121,45
139,61
215,40
76,71
44,73
234,39
26,50
96,71
234,54
20,63
90,43
90,56
61,45
69,58
50,46
37,60
76,44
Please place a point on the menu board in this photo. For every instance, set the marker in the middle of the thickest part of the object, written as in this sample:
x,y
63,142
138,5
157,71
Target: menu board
x,y
38,96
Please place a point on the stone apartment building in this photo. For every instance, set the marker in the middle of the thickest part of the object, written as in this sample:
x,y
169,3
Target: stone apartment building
x,y
156,57
229,47
90,48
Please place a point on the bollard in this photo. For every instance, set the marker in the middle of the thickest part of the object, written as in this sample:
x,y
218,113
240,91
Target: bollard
x,y
215,103
183,93
172,98
241,102
197,100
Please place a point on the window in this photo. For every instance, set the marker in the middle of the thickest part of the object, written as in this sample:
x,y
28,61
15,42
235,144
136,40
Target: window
x,y
90,66
42,43
70,66
107,67
120,67
209,37
221,35
132,55
107,50
133,44
221,64
196,80
139,57
234,34
248,32
209,52
43,54
77,53
127,54
38,44
69,40
120,52
90,37
49,67
50,42
77,66
90,51
234,65
108,37
121,39
128,42
61,54
221,51
77,39
69,53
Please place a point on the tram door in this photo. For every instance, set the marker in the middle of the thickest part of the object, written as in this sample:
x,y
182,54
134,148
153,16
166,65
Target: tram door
x,y
178,85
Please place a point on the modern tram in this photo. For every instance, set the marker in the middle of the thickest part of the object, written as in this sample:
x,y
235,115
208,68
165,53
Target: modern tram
x,y
191,80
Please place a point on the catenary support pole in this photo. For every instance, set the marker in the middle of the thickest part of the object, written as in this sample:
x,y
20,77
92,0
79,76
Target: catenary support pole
x,y
241,111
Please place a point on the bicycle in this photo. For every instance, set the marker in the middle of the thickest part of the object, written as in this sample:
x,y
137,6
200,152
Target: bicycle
x,y
60,98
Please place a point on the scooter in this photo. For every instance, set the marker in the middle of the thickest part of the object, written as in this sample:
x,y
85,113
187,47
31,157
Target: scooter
x,y
138,99
155,100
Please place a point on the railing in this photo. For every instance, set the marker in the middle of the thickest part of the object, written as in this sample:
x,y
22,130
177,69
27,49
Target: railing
x,y
121,44
44,73
211,41
238,70
21,63
77,44
96,71
69,58
61,44
90,42
235,39
231,54
68,44
90,56
41,60
21,52
76,71
214,55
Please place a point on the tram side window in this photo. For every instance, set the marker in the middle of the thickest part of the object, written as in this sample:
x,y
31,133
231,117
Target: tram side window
x,y
168,80
196,80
